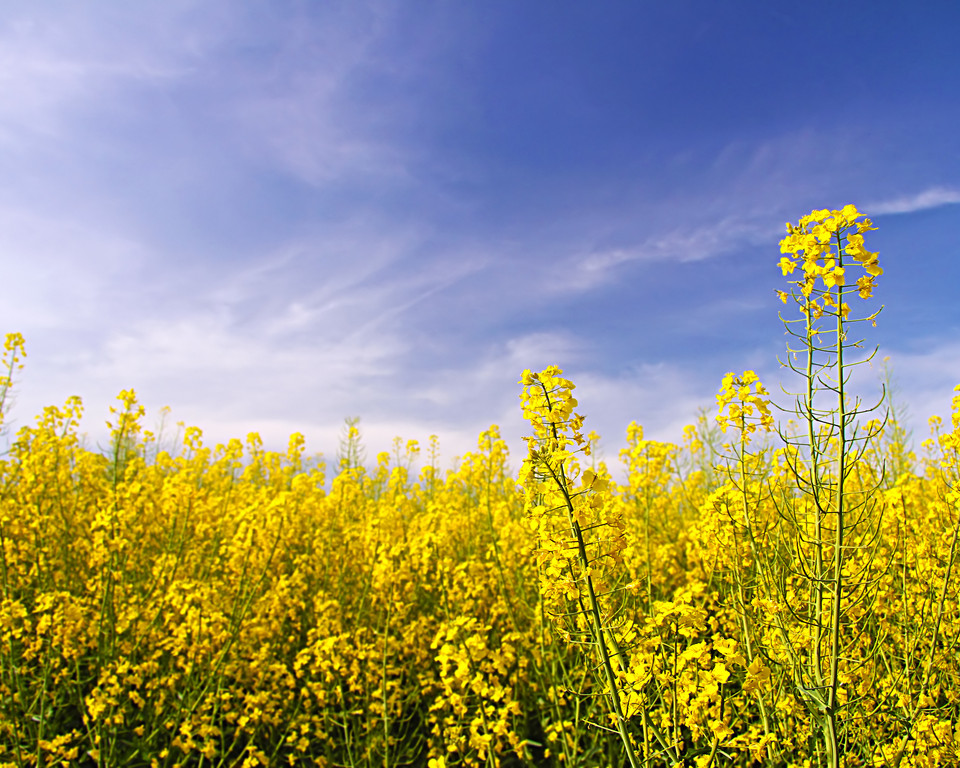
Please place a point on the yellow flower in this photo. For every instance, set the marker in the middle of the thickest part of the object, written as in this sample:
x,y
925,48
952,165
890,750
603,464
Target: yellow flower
x,y
866,285
741,397
873,267
787,265
850,214
834,277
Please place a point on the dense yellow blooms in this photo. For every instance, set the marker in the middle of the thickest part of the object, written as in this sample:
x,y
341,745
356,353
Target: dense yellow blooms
x,y
814,236
195,605
745,407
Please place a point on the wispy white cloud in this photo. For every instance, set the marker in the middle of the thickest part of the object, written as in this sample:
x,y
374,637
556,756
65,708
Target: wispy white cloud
x,y
664,397
56,62
925,374
733,197
485,386
64,272
929,198
306,335
334,105
677,246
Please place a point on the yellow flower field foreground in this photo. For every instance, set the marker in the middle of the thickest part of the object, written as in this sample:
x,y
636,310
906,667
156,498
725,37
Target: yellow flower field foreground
x,y
220,608
743,598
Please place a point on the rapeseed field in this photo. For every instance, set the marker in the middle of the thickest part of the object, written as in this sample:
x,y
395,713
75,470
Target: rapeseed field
x,y
778,588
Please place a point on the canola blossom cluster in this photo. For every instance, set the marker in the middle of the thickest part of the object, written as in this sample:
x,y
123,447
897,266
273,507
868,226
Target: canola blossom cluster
x,y
561,499
820,241
744,401
165,603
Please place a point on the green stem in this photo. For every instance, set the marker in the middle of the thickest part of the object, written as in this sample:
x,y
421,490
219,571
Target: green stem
x,y
833,756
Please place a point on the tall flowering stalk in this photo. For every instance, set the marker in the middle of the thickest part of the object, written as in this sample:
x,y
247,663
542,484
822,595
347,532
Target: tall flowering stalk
x,y
744,404
832,521
578,537
10,361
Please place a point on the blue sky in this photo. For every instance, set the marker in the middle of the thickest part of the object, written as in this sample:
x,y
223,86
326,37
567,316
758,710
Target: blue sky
x,y
273,215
